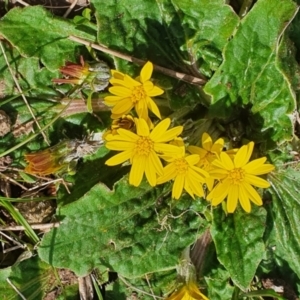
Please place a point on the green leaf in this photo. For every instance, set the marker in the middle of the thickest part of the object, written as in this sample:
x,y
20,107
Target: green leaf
x,y
210,24
251,74
123,230
286,216
239,243
36,33
31,277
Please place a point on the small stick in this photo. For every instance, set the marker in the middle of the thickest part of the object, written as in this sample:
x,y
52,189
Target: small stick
x,y
22,94
181,76
33,226
70,8
23,2
16,290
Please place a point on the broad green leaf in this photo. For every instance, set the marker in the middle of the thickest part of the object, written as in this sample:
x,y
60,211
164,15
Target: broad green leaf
x,y
125,229
218,284
36,33
251,75
31,277
286,216
210,24
239,243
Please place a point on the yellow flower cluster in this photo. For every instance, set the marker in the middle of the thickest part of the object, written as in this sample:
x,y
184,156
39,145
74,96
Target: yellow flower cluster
x,y
160,154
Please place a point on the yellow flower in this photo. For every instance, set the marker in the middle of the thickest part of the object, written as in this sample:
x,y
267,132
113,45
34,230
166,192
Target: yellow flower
x,y
130,93
236,177
186,175
188,291
208,153
143,148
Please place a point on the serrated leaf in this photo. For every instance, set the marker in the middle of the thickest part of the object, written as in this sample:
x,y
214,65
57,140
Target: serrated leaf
x,y
35,32
286,216
239,243
250,72
120,229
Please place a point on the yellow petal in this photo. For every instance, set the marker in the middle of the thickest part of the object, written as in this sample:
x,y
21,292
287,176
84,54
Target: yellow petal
x,y
169,173
127,135
241,157
118,159
244,199
226,161
197,150
142,127
195,186
137,170
257,167
119,145
217,146
256,181
206,141
178,186
160,129
252,193
120,91
155,91
169,135
232,198
192,159
146,72
150,172
123,107
142,109
156,163
130,82
112,100
153,107
166,149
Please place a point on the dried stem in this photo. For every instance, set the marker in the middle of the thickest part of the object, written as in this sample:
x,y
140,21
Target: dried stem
x,y
33,226
181,76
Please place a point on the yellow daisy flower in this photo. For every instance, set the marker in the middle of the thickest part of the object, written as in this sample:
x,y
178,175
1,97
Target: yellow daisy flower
x,y
188,291
181,168
129,93
208,153
236,177
142,149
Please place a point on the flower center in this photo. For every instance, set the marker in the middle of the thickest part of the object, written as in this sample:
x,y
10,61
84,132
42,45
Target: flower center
x,y
138,93
181,165
144,145
236,175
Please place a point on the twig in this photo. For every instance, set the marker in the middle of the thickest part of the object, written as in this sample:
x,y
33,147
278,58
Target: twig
x,y
23,3
151,290
33,226
12,240
181,76
70,8
16,290
22,94
13,181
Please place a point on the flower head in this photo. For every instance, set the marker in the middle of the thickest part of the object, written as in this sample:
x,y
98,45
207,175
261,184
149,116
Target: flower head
x,y
237,177
188,291
143,148
186,175
59,159
94,75
125,122
207,154
129,93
